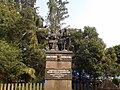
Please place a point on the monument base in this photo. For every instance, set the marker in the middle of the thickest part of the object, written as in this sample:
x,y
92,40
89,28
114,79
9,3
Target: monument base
x,y
58,85
58,71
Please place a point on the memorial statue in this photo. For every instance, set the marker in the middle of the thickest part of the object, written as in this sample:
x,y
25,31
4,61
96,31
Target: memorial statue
x,y
52,40
59,41
66,39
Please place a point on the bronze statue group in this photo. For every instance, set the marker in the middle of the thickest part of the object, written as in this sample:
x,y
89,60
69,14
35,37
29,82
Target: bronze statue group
x,y
59,41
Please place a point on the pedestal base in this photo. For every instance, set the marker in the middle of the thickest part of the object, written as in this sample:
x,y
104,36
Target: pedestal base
x,y
58,85
58,72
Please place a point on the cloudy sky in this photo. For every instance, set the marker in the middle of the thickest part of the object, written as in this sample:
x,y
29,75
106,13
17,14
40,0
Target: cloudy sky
x,y
102,14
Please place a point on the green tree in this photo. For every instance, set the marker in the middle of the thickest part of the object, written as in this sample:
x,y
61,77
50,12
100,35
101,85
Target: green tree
x,y
26,3
33,55
11,66
19,28
109,65
32,51
8,18
57,13
117,51
88,49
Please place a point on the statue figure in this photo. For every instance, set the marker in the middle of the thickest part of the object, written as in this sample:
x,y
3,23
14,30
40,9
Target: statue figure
x,y
60,42
66,39
52,41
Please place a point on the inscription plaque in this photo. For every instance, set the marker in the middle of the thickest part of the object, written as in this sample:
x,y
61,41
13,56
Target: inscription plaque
x,y
60,57
51,56
58,74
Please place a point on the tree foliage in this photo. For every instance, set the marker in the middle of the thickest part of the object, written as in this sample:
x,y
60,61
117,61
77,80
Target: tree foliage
x,y
57,13
87,48
90,55
30,60
19,28
109,66
8,18
10,61
117,51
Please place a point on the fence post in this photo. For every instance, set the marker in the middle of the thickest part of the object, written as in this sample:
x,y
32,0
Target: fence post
x,y
12,86
23,86
8,88
1,86
41,86
27,86
30,86
19,86
37,86
15,86
5,86
34,86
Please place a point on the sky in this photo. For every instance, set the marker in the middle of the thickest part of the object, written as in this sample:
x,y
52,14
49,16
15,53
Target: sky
x,y
104,15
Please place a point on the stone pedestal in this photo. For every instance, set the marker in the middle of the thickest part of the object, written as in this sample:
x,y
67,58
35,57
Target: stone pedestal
x,y
58,72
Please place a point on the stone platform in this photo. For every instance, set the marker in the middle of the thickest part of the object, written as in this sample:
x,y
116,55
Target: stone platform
x,y
58,72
